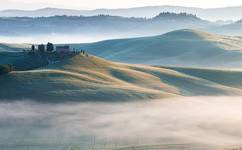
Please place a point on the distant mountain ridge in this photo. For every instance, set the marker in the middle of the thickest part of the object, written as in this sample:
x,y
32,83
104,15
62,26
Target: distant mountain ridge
x,y
100,25
112,27
212,14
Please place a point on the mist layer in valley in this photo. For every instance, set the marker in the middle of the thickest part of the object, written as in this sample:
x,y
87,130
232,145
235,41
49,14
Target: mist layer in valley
x,y
189,123
58,38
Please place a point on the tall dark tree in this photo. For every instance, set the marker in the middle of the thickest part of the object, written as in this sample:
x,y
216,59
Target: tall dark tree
x,y
33,48
41,48
50,47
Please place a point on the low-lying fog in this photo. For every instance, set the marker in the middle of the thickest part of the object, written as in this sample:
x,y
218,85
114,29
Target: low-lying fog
x,y
59,38
188,122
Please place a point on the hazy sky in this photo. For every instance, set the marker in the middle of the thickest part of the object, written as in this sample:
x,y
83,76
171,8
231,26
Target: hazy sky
x,y
93,4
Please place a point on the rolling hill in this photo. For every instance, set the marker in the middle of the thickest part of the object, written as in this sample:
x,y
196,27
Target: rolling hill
x,y
77,78
230,29
190,48
89,78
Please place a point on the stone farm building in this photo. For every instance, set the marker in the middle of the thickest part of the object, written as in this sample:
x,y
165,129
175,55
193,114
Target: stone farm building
x,y
63,49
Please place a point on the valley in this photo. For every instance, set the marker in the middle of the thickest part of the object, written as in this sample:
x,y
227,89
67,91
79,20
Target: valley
x,y
179,89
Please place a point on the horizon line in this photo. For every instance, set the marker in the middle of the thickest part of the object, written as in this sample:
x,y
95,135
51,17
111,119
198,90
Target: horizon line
x,y
146,6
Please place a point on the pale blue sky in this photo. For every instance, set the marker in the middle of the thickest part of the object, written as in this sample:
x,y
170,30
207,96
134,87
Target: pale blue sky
x,y
93,4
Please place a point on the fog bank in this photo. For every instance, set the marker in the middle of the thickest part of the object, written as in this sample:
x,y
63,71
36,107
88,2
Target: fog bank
x,y
60,38
193,122
55,38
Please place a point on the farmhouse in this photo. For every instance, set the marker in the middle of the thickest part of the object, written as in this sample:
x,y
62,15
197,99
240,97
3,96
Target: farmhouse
x,y
63,49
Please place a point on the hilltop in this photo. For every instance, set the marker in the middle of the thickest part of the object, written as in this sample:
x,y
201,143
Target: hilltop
x,y
189,48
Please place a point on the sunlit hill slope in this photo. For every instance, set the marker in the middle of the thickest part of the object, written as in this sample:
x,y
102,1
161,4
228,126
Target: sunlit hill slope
x,y
89,78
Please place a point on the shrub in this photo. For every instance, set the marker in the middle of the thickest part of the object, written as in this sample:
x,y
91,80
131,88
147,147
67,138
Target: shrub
x,y
4,69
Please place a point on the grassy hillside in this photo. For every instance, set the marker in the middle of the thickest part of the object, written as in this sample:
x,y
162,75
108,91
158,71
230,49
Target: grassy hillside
x,y
231,78
78,78
82,78
13,54
177,48
22,60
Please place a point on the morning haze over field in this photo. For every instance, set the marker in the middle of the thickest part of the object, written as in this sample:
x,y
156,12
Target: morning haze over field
x,y
123,75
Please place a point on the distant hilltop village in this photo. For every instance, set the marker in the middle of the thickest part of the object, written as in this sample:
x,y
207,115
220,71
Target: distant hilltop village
x,y
63,49
40,56
51,48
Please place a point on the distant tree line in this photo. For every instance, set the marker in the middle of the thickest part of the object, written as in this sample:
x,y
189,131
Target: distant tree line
x,y
83,24
41,48
170,15
51,48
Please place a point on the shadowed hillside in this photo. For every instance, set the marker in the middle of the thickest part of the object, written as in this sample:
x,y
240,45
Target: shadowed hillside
x,y
177,48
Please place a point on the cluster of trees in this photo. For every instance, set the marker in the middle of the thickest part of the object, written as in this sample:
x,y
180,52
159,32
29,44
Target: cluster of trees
x,y
4,69
177,16
50,47
84,53
41,48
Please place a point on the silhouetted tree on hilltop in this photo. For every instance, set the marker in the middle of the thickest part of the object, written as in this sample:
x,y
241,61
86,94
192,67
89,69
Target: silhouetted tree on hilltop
x,y
50,47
